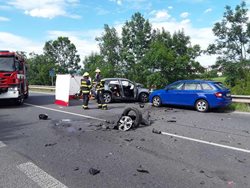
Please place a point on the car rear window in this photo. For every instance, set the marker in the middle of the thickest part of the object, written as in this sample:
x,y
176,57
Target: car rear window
x,y
206,86
220,86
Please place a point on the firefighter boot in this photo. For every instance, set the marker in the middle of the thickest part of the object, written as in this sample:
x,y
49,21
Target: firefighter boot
x,y
104,107
85,107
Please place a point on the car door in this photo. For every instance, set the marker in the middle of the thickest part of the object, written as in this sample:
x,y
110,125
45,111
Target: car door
x,y
171,95
190,93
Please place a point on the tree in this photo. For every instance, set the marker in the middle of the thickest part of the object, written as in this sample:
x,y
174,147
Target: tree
x,y
232,43
96,61
136,38
171,58
110,48
38,71
64,54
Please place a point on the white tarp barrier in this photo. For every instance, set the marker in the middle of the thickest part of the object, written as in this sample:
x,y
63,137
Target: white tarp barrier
x,y
66,88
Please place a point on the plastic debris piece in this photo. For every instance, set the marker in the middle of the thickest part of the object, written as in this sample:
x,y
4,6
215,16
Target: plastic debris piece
x,y
94,171
43,116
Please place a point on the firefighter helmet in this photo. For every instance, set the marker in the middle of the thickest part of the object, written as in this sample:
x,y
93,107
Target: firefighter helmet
x,y
97,70
86,74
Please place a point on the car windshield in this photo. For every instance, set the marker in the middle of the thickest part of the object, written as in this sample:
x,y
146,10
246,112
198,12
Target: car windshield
x,y
175,86
220,86
7,64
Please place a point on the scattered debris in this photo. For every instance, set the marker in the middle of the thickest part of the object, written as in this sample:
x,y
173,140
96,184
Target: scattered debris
x,y
76,168
141,105
46,145
142,139
129,139
43,116
140,169
156,131
94,171
240,161
202,182
79,129
171,121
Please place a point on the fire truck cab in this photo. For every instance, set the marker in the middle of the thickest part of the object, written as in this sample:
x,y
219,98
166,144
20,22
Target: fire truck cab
x,y
13,77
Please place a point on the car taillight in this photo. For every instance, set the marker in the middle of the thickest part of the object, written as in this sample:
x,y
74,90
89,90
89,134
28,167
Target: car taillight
x,y
218,94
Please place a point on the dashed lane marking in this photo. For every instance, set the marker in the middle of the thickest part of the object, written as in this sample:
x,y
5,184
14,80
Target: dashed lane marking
x,y
71,113
40,177
2,144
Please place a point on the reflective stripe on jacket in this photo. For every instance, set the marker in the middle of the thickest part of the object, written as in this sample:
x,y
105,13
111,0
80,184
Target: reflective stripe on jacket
x,y
85,86
98,83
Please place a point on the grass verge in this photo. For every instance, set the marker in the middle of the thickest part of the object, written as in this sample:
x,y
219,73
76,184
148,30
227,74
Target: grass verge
x,y
241,107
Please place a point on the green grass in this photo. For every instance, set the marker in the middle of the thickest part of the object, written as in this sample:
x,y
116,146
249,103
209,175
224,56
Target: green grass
x,y
242,107
219,79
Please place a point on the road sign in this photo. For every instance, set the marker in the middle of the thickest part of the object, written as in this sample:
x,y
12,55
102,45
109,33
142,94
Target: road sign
x,y
52,72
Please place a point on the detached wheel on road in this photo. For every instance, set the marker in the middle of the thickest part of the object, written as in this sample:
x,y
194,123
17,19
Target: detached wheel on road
x,y
125,123
134,114
107,97
143,97
156,101
201,105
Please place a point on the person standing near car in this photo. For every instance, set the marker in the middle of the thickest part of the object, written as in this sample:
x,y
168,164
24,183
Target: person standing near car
x,y
85,90
98,84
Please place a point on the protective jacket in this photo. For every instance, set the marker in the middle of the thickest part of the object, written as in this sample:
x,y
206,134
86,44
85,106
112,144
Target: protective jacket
x,y
98,83
85,86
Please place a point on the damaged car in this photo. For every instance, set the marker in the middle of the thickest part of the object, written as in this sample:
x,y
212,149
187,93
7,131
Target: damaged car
x,y
122,89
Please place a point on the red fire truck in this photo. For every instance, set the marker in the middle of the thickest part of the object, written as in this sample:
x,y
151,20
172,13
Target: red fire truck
x,y
13,77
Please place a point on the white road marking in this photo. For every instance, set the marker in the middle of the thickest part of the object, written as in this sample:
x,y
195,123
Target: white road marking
x,y
206,142
2,144
71,113
42,178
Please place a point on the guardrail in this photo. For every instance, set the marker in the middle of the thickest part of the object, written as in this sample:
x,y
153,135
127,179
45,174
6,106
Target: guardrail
x,y
236,98
39,87
241,98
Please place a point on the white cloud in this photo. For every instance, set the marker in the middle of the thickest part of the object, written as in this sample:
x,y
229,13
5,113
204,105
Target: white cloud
x,y
44,9
208,10
9,41
160,15
184,15
118,2
4,19
170,7
84,41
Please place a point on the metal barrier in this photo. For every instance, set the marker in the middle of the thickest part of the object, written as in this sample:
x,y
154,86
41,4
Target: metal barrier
x,y
236,98
241,98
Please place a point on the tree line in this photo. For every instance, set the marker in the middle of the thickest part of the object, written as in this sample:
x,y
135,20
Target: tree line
x,y
154,57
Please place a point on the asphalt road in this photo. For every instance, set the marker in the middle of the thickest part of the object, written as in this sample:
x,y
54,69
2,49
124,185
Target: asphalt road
x,y
195,150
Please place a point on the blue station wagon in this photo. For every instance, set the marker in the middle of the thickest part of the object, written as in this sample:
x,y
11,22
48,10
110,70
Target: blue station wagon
x,y
201,94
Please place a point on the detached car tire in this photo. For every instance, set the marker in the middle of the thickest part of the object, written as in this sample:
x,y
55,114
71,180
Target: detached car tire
x,y
137,113
201,105
107,97
156,101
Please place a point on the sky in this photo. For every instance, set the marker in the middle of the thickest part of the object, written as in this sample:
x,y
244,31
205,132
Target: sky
x,y
25,25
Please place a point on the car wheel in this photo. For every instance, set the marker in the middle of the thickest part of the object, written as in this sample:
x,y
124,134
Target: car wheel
x,y
107,97
135,114
201,105
143,97
156,101
19,100
125,123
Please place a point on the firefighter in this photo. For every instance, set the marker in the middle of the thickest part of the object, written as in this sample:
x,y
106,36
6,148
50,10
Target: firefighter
x,y
98,84
85,90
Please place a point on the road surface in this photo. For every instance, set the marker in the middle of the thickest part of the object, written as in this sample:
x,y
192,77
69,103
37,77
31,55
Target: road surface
x,y
195,150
